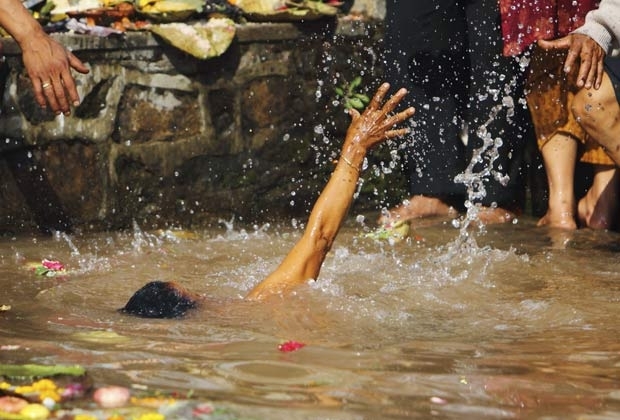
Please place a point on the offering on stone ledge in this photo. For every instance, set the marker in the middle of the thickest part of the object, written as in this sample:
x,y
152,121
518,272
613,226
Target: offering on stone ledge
x,y
201,40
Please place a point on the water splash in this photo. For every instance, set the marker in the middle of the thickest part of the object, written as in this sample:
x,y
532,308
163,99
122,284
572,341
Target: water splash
x,y
64,237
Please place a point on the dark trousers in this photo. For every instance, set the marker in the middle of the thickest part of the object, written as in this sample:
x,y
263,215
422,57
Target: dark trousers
x,y
448,54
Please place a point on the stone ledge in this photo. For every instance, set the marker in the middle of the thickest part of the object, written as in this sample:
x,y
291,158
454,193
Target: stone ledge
x,y
250,32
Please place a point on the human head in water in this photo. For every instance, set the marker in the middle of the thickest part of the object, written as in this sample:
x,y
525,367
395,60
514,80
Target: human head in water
x,y
159,299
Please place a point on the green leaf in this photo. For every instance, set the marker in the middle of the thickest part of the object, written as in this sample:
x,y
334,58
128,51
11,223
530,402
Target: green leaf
x,y
362,97
30,370
356,103
355,83
41,271
339,91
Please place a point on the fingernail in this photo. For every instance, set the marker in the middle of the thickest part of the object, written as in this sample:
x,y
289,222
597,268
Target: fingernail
x,y
76,103
566,69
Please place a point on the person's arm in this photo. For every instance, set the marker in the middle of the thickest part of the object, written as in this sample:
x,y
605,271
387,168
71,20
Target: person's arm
x,y
47,62
304,261
590,43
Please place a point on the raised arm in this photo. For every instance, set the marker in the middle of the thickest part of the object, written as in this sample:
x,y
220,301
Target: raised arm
x,y
47,62
304,261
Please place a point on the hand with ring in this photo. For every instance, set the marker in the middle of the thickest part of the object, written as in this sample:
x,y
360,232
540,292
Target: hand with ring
x,y
47,62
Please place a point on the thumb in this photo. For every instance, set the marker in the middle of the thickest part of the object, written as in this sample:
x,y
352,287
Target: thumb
x,y
555,44
354,113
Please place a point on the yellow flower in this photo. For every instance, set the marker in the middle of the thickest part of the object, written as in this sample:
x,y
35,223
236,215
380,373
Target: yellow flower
x,y
5,385
25,389
49,393
84,417
152,402
151,416
44,385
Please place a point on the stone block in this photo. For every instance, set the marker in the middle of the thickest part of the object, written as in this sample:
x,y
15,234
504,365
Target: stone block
x,y
148,114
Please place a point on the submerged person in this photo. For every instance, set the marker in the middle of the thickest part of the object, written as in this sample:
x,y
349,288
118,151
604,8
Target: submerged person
x,y
47,62
303,263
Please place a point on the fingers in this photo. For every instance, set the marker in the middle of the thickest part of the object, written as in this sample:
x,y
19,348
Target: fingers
x,y
599,76
38,86
76,63
591,68
52,93
557,44
400,117
390,105
585,69
58,92
70,88
591,77
396,133
49,68
377,100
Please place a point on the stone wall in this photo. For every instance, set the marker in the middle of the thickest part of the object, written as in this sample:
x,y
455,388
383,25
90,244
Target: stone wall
x,y
163,139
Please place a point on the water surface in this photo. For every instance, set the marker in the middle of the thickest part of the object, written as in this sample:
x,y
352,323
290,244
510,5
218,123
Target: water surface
x,y
522,322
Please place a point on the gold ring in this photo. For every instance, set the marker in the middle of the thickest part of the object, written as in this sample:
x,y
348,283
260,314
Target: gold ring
x,y
46,85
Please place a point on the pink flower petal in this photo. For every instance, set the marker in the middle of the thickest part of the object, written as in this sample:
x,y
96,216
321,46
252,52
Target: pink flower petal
x,y
53,265
289,346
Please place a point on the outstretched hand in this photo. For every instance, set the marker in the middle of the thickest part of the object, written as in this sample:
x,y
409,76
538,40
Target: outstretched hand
x,y
376,123
587,50
49,66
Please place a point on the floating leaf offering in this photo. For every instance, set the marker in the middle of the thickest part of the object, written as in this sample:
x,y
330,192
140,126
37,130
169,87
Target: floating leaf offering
x,y
38,371
392,233
201,40
47,268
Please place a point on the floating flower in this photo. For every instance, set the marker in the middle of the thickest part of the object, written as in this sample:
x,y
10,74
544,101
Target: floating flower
x,y
290,346
205,408
53,265
74,390
10,404
111,396
34,412
47,268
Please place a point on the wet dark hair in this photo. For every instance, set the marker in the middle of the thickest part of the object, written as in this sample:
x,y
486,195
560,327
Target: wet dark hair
x,y
159,299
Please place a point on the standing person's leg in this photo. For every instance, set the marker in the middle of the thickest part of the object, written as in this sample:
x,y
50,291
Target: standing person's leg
x,y
496,103
424,49
549,96
560,155
598,209
598,110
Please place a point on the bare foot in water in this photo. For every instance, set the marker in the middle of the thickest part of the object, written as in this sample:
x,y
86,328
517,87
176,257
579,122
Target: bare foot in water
x,y
598,209
562,219
417,207
495,215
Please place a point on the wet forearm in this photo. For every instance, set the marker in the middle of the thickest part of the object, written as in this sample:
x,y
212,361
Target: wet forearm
x,y
18,22
333,204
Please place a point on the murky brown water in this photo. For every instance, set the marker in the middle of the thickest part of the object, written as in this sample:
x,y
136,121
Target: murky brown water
x,y
521,325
